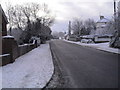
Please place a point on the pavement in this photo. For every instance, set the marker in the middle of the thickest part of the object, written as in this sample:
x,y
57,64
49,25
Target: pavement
x,y
85,67
31,70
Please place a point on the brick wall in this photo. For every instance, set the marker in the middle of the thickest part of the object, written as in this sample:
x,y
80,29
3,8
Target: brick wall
x,y
11,51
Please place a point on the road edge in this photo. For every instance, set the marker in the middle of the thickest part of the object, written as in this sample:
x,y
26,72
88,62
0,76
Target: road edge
x,y
55,72
94,48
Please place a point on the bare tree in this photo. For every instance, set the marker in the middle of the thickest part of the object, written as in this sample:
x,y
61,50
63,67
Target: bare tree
x,y
29,18
15,16
47,19
10,11
110,27
115,41
90,25
22,15
77,26
30,11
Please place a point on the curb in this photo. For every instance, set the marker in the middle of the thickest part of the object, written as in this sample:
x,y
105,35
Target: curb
x,y
95,48
53,70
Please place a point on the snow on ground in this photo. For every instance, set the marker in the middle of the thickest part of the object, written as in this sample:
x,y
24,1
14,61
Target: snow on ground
x,y
100,46
32,70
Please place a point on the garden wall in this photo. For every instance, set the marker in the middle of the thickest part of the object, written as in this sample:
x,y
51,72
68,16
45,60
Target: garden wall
x,y
11,51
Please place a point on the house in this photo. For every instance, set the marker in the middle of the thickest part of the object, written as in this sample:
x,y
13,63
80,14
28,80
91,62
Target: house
x,y
102,22
102,33
3,32
101,26
3,27
3,22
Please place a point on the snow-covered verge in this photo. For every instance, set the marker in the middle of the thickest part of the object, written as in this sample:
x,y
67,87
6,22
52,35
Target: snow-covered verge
x,y
100,46
32,70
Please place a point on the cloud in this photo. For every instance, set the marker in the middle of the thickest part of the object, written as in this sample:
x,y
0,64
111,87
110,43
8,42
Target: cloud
x,y
66,10
83,10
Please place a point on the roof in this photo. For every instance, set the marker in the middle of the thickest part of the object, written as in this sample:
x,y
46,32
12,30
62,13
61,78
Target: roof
x,y
3,14
103,20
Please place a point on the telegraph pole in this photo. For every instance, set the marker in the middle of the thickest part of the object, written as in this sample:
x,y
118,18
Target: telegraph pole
x,y
118,25
115,13
69,28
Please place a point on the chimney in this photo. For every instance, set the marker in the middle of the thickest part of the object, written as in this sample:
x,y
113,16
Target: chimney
x,y
101,17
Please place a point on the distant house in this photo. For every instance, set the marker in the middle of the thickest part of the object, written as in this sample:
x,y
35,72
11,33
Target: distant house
x,y
102,22
102,33
3,22
101,26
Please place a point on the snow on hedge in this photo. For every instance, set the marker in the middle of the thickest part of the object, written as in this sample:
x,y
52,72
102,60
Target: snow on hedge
x,y
32,70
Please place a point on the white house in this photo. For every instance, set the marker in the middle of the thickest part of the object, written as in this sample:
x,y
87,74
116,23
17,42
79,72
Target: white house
x,y
102,22
101,26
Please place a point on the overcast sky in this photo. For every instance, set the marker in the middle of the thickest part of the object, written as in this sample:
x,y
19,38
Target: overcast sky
x,y
66,10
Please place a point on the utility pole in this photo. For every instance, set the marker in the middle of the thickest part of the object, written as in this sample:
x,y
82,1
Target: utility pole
x,y
115,13
69,28
118,25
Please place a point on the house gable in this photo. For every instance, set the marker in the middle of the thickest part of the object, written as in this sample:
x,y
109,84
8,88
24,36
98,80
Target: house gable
x,y
3,22
102,22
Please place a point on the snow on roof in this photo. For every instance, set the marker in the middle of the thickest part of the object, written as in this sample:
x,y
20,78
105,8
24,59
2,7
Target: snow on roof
x,y
102,20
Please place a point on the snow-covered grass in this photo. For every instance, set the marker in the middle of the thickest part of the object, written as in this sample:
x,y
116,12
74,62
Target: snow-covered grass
x,y
100,46
32,70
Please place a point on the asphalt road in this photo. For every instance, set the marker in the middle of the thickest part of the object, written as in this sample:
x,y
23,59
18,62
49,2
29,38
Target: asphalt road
x,y
86,67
